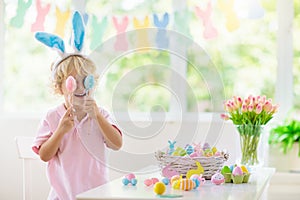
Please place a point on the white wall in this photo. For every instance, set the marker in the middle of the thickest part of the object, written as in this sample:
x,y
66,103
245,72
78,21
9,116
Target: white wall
x,y
136,143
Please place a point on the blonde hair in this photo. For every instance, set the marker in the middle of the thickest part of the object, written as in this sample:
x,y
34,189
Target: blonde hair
x,y
83,66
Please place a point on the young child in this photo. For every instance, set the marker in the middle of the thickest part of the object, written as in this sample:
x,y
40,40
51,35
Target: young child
x,y
73,136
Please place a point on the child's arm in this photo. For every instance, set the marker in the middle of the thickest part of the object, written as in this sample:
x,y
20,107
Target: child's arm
x,y
49,148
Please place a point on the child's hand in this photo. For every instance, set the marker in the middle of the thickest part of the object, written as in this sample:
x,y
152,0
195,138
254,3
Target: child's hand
x,y
67,121
90,107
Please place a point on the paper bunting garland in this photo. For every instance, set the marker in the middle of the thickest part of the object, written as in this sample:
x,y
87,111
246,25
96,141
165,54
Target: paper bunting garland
x,y
62,18
142,35
18,20
180,22
227,7
97,31
121,43
255,10
162,40
38,25
209,31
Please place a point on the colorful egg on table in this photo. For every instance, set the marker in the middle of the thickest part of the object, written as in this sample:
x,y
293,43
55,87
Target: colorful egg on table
x,y
174,178
148,182
187,184
130,176
237,171
244,169
217,179
154,180
159,188
166,181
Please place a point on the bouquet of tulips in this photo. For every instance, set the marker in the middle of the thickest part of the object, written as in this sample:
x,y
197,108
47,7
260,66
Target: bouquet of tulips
x,y
254,110
249,115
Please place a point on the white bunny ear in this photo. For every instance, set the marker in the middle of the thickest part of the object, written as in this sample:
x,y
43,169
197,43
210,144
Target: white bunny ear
x,y
78,31
52,41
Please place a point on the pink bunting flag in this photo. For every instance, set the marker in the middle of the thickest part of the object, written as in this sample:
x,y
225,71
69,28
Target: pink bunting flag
x,y
38,25
121,43
209,31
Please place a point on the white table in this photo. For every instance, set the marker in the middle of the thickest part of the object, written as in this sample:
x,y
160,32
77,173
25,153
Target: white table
x,y
115,190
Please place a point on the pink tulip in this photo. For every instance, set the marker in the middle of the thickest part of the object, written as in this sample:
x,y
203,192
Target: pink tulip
x,y
267,107
275,108
258,109
244,108
224,116
250,107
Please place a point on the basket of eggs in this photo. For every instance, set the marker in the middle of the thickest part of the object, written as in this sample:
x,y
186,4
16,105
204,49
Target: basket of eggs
x,y
180,160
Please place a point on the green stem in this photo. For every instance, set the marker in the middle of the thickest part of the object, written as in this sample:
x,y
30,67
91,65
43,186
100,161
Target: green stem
x,y
249,140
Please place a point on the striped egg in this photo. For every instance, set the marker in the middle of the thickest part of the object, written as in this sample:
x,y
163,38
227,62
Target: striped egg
x,y
187,184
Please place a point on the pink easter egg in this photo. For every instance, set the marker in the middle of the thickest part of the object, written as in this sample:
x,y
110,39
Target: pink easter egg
x,y
148,182
217,179
237,171
130,176
155,180
194,154
70,84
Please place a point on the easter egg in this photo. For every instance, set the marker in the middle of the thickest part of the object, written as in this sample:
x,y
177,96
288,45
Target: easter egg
x,y
71,84
237,171
176,184
225,170
165,181
125,181
154,180
133,181
244,169
217,179
174,178
130,176
187,184
89,82
148,182
159,188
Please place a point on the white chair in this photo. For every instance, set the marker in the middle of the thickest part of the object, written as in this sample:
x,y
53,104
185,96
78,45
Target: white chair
x,y
27,155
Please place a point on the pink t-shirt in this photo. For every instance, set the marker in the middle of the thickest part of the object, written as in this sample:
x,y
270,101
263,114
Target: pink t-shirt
x,y
80,163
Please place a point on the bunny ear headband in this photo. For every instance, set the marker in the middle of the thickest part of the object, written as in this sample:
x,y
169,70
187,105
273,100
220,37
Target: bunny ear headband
x,y
57,43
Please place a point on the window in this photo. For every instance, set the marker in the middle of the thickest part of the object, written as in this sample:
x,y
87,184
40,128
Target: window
x,y
237,62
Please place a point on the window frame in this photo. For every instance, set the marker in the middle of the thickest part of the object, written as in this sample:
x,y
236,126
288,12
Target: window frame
x,y
284,79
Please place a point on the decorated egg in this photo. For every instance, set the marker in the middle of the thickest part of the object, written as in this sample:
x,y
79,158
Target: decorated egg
x,y
148,182
130,176
166,181
244,169
154,180
174,178
159,188
206,146
189,149
187,184
225,170
237,171
217,179
214,150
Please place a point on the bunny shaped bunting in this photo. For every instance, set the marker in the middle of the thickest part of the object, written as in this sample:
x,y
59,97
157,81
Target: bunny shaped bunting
x,y
56,42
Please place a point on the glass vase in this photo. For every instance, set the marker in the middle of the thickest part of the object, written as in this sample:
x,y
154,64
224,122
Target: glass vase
x,y
251,144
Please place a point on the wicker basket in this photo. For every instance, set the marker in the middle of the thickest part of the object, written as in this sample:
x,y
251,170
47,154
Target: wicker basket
x,y
182,164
